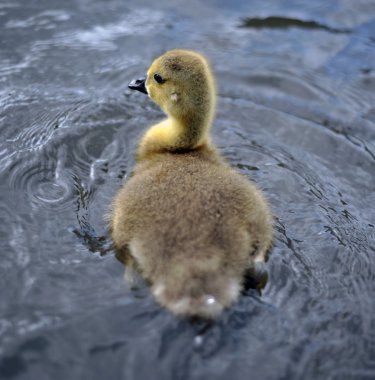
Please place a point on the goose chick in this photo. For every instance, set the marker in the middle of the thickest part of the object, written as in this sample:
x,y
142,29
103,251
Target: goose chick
x,y
187,222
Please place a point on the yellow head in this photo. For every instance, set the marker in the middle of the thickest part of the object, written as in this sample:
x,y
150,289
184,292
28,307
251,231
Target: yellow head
x,y
181,83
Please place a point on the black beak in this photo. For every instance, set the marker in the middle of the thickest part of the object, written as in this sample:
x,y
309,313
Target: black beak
x,y
138,84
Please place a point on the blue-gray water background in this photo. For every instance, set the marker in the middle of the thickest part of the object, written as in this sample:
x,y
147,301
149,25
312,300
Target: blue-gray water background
x,y
296,113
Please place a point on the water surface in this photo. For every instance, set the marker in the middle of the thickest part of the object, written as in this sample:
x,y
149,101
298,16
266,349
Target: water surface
x,y
295,113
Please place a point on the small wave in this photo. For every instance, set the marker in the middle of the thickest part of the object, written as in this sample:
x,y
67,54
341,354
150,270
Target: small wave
x,y
43,20
101,37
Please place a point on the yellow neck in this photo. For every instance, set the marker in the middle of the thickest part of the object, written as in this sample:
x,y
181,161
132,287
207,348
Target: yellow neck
x,y
172,135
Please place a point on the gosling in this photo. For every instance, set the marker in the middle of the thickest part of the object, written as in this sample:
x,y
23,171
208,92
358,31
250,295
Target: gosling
x,y
187,222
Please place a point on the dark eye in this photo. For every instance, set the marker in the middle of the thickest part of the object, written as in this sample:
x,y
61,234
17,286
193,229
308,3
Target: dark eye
x,y
158,78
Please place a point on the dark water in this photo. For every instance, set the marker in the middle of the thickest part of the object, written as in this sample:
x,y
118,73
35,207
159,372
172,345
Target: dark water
x,y
296,114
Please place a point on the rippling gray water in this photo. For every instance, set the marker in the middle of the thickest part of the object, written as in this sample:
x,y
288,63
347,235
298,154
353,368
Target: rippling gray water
x,y
296,114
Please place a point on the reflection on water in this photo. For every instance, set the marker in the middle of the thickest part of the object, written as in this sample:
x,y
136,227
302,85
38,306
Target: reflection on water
x,y
296,114
285,22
